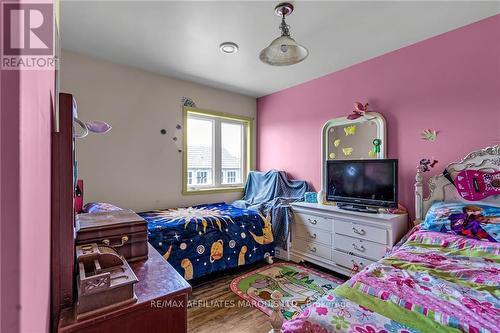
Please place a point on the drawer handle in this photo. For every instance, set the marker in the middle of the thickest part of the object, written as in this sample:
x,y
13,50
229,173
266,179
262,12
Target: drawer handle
x,y
108,242
313,249
359,248
312,221
313,236
359,232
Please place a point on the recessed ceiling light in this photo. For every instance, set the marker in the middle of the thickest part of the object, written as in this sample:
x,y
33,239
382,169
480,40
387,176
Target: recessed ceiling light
x,y
228,47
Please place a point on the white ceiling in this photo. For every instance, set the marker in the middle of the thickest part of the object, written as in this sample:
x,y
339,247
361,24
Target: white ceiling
x,y
181,38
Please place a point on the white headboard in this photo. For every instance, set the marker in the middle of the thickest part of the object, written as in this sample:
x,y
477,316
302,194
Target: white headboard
x,y
441,189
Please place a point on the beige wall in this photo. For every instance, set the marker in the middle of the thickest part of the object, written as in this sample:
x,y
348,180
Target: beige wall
x,y
134,166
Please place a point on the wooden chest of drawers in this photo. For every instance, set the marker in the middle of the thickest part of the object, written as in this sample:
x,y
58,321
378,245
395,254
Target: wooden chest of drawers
x,y
161,307
342,240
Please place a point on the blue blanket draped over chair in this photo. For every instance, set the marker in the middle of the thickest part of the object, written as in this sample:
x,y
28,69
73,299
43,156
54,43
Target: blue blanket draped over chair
x,y
271,193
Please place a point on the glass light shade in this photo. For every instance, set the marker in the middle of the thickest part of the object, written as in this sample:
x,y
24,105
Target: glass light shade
x,y
283,51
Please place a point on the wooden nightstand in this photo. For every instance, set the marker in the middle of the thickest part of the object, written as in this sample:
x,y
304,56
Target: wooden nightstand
x,y
161,305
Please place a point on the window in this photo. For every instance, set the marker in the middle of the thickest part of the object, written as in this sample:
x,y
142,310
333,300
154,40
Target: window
x,y
231,177
202,177
217,151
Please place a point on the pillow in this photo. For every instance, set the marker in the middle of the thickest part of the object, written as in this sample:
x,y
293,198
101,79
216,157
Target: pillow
x,y
97,207
474,221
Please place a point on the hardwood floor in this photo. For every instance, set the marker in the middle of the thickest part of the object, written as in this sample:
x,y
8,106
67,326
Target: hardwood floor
x,y
214,307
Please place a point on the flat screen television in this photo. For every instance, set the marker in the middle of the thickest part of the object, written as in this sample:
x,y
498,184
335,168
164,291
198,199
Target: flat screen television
x,y
362,184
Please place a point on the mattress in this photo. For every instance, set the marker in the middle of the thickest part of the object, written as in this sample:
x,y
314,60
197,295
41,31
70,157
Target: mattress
x,y
432,282
203,239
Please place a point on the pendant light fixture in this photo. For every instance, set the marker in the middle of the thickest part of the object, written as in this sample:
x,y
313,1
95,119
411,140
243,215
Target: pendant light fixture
x,y
284,50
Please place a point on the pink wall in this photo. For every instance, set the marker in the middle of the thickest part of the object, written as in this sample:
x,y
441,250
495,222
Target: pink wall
x,y
9,201
25,130
25,200
36,111
450,83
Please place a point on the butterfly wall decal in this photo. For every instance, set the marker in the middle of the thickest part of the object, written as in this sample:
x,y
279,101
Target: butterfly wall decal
x,y
359,111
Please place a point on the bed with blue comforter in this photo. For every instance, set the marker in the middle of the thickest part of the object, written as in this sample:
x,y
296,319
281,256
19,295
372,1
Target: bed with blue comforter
x,y
203,239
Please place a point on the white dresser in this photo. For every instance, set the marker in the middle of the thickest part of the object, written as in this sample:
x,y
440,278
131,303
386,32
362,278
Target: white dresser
x,y
339,239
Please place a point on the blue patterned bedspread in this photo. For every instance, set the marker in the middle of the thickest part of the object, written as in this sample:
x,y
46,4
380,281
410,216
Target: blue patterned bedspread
x,y
203,239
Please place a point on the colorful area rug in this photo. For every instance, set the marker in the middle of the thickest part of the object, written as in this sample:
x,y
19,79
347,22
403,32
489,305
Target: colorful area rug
x,y
299,285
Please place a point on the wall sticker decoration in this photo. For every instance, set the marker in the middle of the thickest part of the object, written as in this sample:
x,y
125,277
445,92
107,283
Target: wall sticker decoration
x,y
426,164
347,151
359,111
350,130
429,135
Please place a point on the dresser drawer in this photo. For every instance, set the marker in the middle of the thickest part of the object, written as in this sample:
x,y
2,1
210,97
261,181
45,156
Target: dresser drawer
x,y
312,234
312,248
348,261
361,231
313,221
359,247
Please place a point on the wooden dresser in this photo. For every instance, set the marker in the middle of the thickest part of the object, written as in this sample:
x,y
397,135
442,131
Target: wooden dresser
x,y
343,240
161,306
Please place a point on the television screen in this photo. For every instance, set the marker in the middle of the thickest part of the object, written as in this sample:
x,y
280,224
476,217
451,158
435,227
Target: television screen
x,y
363,182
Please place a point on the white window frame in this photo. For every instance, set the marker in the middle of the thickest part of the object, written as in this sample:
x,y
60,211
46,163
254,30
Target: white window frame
x,y
232,177
247,147
198,177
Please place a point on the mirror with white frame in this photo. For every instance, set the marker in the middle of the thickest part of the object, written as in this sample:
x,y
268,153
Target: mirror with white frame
x,y
345,139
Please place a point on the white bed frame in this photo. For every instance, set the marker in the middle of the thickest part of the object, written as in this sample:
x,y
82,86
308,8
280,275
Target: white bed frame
x,y
441,189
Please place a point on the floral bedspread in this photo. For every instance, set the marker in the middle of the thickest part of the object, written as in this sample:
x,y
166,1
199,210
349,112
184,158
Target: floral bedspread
x,y
433,282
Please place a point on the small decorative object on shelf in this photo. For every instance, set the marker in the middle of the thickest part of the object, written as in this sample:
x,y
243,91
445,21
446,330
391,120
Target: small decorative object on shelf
x,y
276,317
123,230
105,280
319,196
311,197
